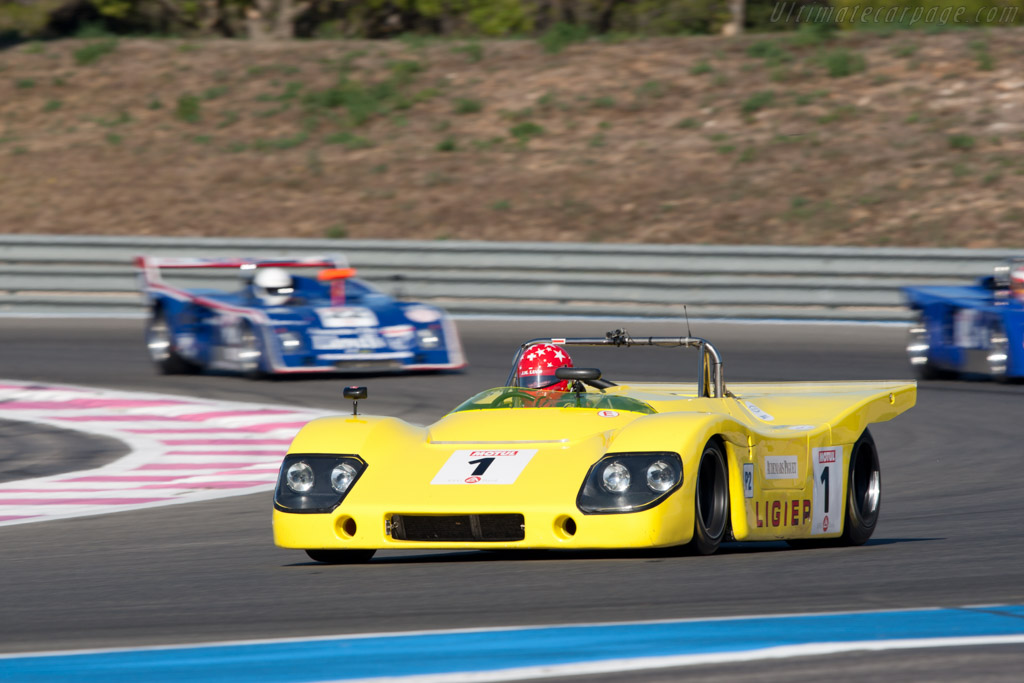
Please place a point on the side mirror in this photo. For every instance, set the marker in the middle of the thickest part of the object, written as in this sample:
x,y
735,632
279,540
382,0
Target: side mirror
x,y
356,394
581,374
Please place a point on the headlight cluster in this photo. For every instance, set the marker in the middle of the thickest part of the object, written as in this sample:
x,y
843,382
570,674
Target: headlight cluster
x,y
428,338
629,482
316,482
291,342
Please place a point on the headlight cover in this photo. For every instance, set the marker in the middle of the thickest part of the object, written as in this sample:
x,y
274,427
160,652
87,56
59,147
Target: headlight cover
x,y
291,342
629,482
333,477
428,337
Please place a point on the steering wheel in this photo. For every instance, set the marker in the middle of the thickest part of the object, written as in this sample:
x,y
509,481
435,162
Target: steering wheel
x,y
513,393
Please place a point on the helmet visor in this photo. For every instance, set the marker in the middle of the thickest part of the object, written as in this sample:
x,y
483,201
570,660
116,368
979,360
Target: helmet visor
x,y
538,381
280,291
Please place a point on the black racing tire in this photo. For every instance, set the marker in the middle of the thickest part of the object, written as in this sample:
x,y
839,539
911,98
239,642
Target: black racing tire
x,y
863,492
251,345
710,500
918,338
340,556
161,347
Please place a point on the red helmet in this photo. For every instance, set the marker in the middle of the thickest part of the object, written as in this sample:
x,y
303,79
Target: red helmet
x,y
537,367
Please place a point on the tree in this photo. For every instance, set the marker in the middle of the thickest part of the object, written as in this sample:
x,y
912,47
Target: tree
x,y
738,14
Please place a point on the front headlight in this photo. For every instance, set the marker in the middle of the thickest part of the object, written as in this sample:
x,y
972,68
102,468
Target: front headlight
x,y
316,482
615,477
428,338
342,477
629,482
299,477
290,341
661,476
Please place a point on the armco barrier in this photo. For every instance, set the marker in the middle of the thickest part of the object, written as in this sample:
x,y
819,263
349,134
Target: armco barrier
x,y
95,275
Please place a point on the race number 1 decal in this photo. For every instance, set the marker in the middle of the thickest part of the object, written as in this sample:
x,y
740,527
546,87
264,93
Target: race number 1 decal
x,y
483,467
828,490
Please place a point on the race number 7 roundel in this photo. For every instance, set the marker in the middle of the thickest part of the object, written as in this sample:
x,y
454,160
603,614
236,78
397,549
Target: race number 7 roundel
x,y
479,466
827,506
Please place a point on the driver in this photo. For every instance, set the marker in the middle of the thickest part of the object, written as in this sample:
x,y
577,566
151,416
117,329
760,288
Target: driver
x,y
273,286
537,371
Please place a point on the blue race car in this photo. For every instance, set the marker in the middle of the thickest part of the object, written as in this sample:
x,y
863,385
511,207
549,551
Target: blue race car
x,y
977,330
276,322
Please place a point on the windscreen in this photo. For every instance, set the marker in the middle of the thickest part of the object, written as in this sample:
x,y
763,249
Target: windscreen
x,y
518,397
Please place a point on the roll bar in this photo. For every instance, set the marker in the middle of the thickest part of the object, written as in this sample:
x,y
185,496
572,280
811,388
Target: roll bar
x,y
710,377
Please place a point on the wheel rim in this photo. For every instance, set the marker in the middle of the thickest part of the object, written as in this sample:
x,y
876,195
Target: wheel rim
x,y
158,341
918,345
711,494
249,355
998,351
866,484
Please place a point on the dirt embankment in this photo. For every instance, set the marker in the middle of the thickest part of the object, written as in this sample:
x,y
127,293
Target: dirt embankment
x,y
907,139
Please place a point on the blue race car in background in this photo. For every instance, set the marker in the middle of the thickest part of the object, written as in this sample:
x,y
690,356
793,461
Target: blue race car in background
x,y
977,330
275,321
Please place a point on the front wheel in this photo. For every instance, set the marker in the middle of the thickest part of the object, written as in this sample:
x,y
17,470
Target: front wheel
x,y
711,501
250,352
340,556
864,491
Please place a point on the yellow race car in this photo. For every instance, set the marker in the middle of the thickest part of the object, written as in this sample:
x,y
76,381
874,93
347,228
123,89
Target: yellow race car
x,y
594,464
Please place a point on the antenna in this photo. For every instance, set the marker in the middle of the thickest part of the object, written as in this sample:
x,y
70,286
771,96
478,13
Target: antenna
x,y
687,316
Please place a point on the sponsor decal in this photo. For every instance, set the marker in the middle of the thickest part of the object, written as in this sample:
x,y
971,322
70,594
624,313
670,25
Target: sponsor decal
x,y
483,466
748,480
365,341
828,488
346,316
772,514
781,467
608,413
422,314
968,329
760,414
399,337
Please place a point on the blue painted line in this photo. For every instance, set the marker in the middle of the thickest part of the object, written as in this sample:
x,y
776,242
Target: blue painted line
x,y
354,657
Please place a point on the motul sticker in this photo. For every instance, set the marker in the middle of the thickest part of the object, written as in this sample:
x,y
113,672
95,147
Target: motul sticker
x,y
608,413
477,467
827,494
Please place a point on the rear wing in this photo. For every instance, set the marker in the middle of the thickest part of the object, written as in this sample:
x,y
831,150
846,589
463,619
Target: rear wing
x,y
150,266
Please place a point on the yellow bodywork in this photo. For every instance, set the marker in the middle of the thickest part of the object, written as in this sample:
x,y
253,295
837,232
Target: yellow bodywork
x,y
760,424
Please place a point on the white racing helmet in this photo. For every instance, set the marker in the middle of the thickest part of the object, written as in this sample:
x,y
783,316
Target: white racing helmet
x,y
273,286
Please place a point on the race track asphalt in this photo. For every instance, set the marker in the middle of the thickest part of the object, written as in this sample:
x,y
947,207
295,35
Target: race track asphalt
x,y
951,531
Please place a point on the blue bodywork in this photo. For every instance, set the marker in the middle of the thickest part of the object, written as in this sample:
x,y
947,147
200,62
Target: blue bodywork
x,y
960,323
367,331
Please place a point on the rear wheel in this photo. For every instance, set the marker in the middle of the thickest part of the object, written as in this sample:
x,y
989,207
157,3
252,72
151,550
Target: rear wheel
x,y
919,350
340,556
863,492
711,500
160,345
